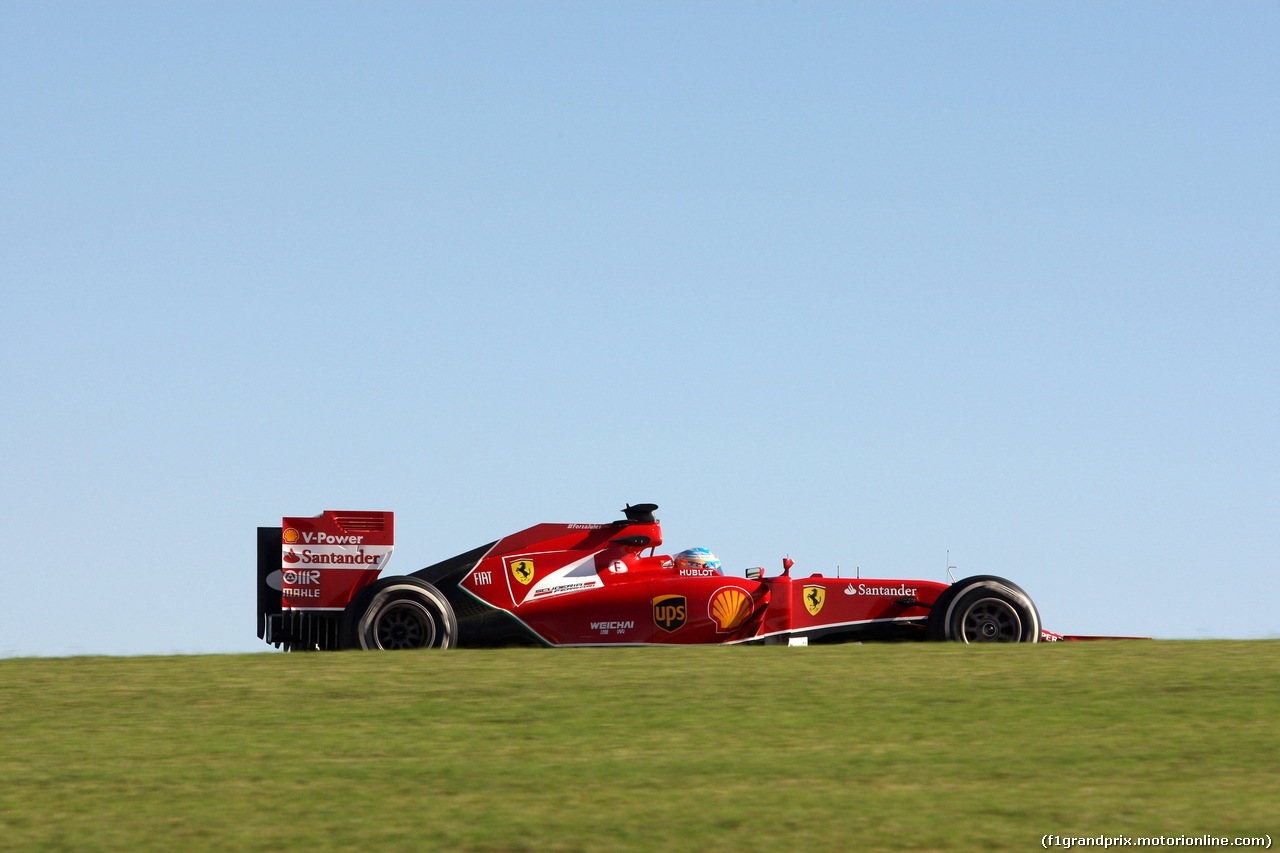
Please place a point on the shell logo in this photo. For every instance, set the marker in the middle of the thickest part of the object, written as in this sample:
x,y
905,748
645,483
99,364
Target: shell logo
x,y
728,608
291,535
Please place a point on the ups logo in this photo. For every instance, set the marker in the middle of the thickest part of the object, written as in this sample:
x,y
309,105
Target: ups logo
x,y
670,612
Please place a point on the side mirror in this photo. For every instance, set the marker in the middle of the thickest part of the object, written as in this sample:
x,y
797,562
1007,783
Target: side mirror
x,y
755,574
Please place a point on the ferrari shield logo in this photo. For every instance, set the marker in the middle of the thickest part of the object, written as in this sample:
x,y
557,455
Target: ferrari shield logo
x,y
814,598
522,570
670,612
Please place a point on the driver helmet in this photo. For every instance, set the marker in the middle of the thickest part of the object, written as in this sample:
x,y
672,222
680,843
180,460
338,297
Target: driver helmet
x,y
697,558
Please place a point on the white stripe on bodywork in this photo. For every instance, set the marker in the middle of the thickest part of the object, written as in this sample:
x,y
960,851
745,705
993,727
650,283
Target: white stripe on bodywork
x,y
807,632
583,568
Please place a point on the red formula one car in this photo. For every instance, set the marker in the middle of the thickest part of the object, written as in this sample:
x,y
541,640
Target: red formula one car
x,y
321,585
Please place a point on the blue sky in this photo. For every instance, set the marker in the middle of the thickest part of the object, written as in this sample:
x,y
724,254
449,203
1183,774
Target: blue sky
x,y
862,284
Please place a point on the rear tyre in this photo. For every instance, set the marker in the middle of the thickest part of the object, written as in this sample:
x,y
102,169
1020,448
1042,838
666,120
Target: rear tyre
x,y
399,613
984,609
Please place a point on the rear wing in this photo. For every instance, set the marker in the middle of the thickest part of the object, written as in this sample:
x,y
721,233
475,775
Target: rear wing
x,y
310,568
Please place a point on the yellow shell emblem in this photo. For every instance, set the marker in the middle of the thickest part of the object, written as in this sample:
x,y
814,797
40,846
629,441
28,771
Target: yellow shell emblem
x,y
729,607
814,598
522,570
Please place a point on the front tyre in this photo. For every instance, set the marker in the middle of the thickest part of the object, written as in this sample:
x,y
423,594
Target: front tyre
x,y
399,613
984,609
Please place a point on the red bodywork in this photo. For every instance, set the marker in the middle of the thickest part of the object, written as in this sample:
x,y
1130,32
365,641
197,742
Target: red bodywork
x,y
593,585
576,584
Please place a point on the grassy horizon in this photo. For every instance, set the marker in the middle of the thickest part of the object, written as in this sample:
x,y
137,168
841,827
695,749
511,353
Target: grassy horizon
x,y
911,746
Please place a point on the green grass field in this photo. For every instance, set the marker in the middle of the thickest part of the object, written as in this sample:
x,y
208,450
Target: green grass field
x,y
910,746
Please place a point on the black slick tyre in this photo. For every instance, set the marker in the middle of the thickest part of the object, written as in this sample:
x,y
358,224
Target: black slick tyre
x,y
399,613
984,609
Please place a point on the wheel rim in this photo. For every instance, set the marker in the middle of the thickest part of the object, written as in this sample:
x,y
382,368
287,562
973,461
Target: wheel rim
x,y
404,625
991,620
